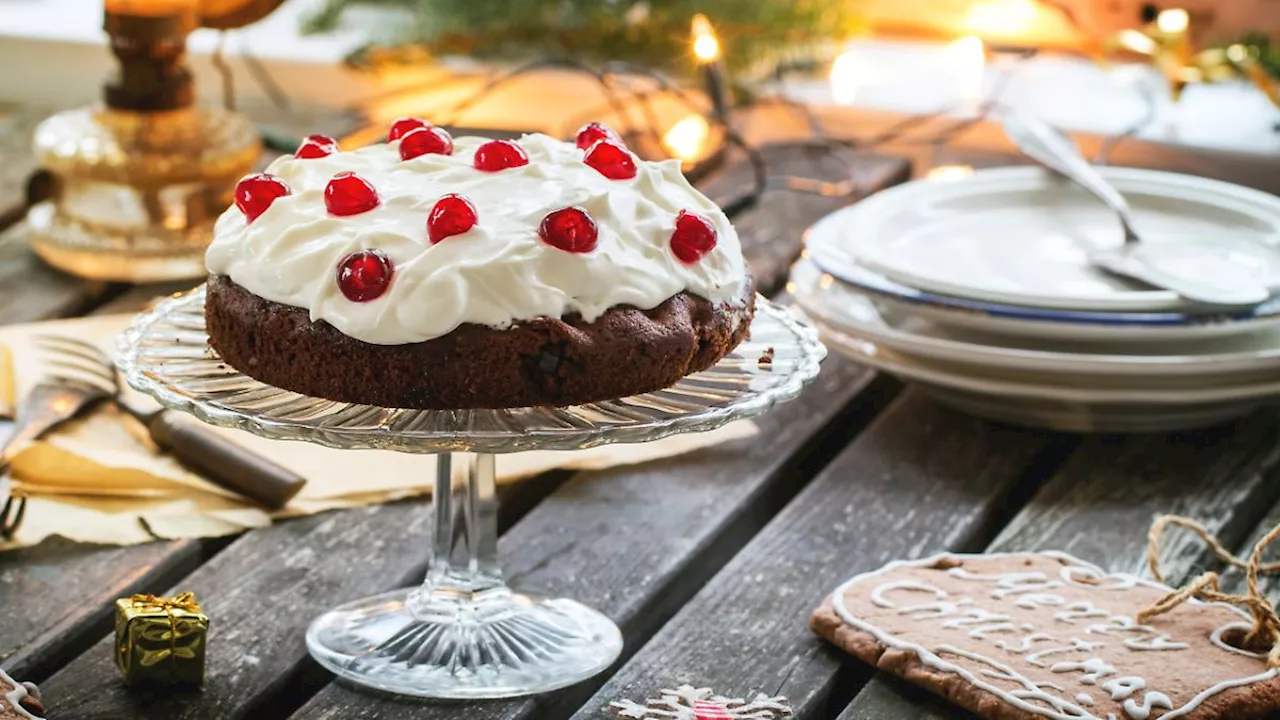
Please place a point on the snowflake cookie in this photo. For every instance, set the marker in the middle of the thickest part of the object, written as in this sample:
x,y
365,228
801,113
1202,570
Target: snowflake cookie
x,y
689,703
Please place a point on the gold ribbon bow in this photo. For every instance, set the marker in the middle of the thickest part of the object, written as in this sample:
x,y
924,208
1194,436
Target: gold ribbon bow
x,y
151,603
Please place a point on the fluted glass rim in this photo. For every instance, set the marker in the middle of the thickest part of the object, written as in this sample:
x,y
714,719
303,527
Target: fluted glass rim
x,y
165,353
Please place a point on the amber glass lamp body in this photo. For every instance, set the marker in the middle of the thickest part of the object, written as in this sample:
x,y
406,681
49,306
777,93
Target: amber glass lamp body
x,y
140,179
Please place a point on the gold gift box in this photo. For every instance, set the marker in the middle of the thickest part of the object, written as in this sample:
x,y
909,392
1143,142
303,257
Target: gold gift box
x,y
161,641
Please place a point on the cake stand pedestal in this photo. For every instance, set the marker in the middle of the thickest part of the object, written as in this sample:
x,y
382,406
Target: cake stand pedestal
x,y
463,633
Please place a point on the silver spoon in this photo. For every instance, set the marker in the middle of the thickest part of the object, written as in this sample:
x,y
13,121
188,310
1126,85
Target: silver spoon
x,y
1216,273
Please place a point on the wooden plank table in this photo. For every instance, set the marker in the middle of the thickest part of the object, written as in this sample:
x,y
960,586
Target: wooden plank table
x,y
710,562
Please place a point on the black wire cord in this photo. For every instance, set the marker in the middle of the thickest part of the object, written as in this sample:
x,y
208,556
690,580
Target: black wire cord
x,y
620,96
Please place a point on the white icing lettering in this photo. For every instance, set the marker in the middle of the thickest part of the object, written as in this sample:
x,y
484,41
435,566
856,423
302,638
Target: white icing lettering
x,y
975,616
1010,583
1095,579
1029,690
1027,591
1079,611
1032,601
982,632
1077,645
1119,623
935,610
1093,669
1159,642
877,595
1026,643
1124,687
1149,701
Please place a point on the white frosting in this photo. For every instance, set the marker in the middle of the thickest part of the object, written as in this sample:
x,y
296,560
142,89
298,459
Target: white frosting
x,y
496,273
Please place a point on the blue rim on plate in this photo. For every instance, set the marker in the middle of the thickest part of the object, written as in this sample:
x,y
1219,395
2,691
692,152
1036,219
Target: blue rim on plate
x,y
876,284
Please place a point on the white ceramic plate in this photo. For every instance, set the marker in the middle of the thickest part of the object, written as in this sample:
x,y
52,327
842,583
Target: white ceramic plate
x,y
1237,359
1058,408
1043,324
1021,236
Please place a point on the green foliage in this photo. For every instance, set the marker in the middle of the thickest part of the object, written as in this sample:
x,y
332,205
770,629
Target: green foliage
x,y
1266,50
653,32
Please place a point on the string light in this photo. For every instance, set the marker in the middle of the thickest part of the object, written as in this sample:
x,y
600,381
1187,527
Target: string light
x,y
706,46
687,138
846,75
1173,21
1001,17
949,172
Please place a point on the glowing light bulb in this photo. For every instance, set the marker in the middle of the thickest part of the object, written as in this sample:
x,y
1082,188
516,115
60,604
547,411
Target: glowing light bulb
x,y
1137,42
1237,53
1001,17
687,137
706,46
846,74
949,172
968,58
1175,20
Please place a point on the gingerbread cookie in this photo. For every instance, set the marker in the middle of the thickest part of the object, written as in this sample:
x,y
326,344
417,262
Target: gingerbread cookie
x,y
19,701
1045,635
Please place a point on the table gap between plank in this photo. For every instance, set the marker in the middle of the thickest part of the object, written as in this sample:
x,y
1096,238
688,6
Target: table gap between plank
x,y
1100,505
920,479
258,665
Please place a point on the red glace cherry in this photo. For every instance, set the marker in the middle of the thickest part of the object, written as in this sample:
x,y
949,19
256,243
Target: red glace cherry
x,y
425,140
404,126
611,160
498,155
349,194
451,215
316,146
694,237
594,132
255,194
365,275
571,229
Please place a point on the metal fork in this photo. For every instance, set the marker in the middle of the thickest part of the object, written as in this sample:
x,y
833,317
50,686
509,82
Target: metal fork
x,y
13,510
87,369
68,388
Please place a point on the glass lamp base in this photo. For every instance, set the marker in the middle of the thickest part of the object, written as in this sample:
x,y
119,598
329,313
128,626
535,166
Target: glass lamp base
x,y
491,645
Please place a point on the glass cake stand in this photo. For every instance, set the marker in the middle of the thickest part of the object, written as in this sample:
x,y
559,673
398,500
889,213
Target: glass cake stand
x,y
463,633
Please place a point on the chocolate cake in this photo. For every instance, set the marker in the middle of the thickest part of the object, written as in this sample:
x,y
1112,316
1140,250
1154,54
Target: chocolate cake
x,y
19,701
437,273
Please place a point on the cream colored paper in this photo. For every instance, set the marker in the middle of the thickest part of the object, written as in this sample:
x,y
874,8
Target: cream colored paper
x,y
99,479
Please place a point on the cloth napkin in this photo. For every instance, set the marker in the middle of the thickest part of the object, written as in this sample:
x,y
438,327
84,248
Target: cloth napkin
x,y
99,478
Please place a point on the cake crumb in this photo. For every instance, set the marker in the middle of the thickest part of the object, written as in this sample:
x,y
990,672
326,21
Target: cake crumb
x,y
766,357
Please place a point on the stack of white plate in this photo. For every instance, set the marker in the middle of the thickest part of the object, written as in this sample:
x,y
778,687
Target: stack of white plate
x,y
979,289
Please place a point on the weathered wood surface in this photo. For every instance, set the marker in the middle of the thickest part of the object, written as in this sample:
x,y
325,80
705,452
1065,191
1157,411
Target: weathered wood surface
x,y
637,543
17,124
31,290
1099,505
919,480
303,567
55,598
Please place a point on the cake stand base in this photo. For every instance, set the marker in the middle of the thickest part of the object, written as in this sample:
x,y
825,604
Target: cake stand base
x,y
463,634
491,646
